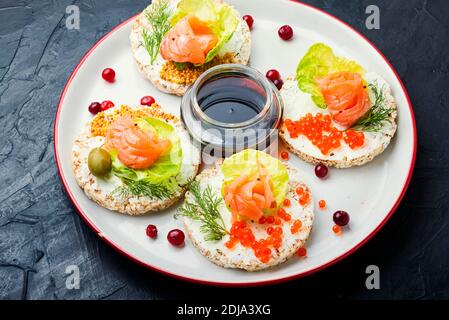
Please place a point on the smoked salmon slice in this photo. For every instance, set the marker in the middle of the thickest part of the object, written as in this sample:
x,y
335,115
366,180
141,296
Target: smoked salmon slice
x,y
248,198
188,41
137,148
345,95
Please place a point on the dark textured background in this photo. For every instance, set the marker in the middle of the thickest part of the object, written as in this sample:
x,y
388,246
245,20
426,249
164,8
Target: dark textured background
x,y
41,234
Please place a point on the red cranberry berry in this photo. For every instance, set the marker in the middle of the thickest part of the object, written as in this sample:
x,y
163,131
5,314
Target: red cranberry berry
x,y
147,101
152,231
278,83
285,32
108,74
341,218
107,104
94,108
176,237
249,20
321,171
273,74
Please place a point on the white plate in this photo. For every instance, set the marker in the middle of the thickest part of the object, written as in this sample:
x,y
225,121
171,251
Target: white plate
x,y
369,193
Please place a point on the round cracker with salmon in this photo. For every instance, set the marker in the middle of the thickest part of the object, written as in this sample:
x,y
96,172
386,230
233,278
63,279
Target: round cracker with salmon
x,y
112,191
243,256
359,105
172,65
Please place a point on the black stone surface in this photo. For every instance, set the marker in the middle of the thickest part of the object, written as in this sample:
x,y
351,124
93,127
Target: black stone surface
x,y
41,234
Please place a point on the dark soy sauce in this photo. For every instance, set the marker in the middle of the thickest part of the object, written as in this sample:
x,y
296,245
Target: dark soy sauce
x,y
231,98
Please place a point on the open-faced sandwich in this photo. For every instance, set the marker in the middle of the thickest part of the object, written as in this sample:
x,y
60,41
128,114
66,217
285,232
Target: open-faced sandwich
x,y
134,160
249,211
174,41
336,113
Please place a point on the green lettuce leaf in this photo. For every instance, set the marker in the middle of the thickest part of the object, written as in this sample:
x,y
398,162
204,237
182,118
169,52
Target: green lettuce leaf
x,y
166,167
321,61
222,20
246,162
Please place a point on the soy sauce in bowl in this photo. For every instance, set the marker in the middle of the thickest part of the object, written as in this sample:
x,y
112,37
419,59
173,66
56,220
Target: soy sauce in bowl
x,y
231,99
232,107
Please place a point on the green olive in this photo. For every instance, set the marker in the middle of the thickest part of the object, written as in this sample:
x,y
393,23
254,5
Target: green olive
x,y
99,162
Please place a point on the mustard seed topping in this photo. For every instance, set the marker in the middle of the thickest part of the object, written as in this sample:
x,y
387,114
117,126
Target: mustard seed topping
x,y
189,73
100,123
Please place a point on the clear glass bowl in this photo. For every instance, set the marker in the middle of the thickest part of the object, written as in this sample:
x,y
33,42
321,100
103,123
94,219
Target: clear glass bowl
x,y
243,84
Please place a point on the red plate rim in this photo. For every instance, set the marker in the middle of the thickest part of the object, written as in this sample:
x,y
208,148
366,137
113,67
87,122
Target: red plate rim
x,y
237,284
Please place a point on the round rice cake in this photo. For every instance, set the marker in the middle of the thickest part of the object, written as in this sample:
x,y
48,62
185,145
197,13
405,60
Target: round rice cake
x,y
102,191
240,257
236,50
297,104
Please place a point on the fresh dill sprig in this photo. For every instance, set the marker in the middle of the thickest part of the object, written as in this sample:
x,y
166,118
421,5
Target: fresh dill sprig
x,y
204,208
141,188
158,17
373,120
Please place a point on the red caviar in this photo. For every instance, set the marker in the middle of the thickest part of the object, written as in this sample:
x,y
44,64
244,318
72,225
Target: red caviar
x,y
302,252
319,130
277,242
230,244
336,229
241,233
297,225
284,155
278,230
322,204
354,139
304,199
283,215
